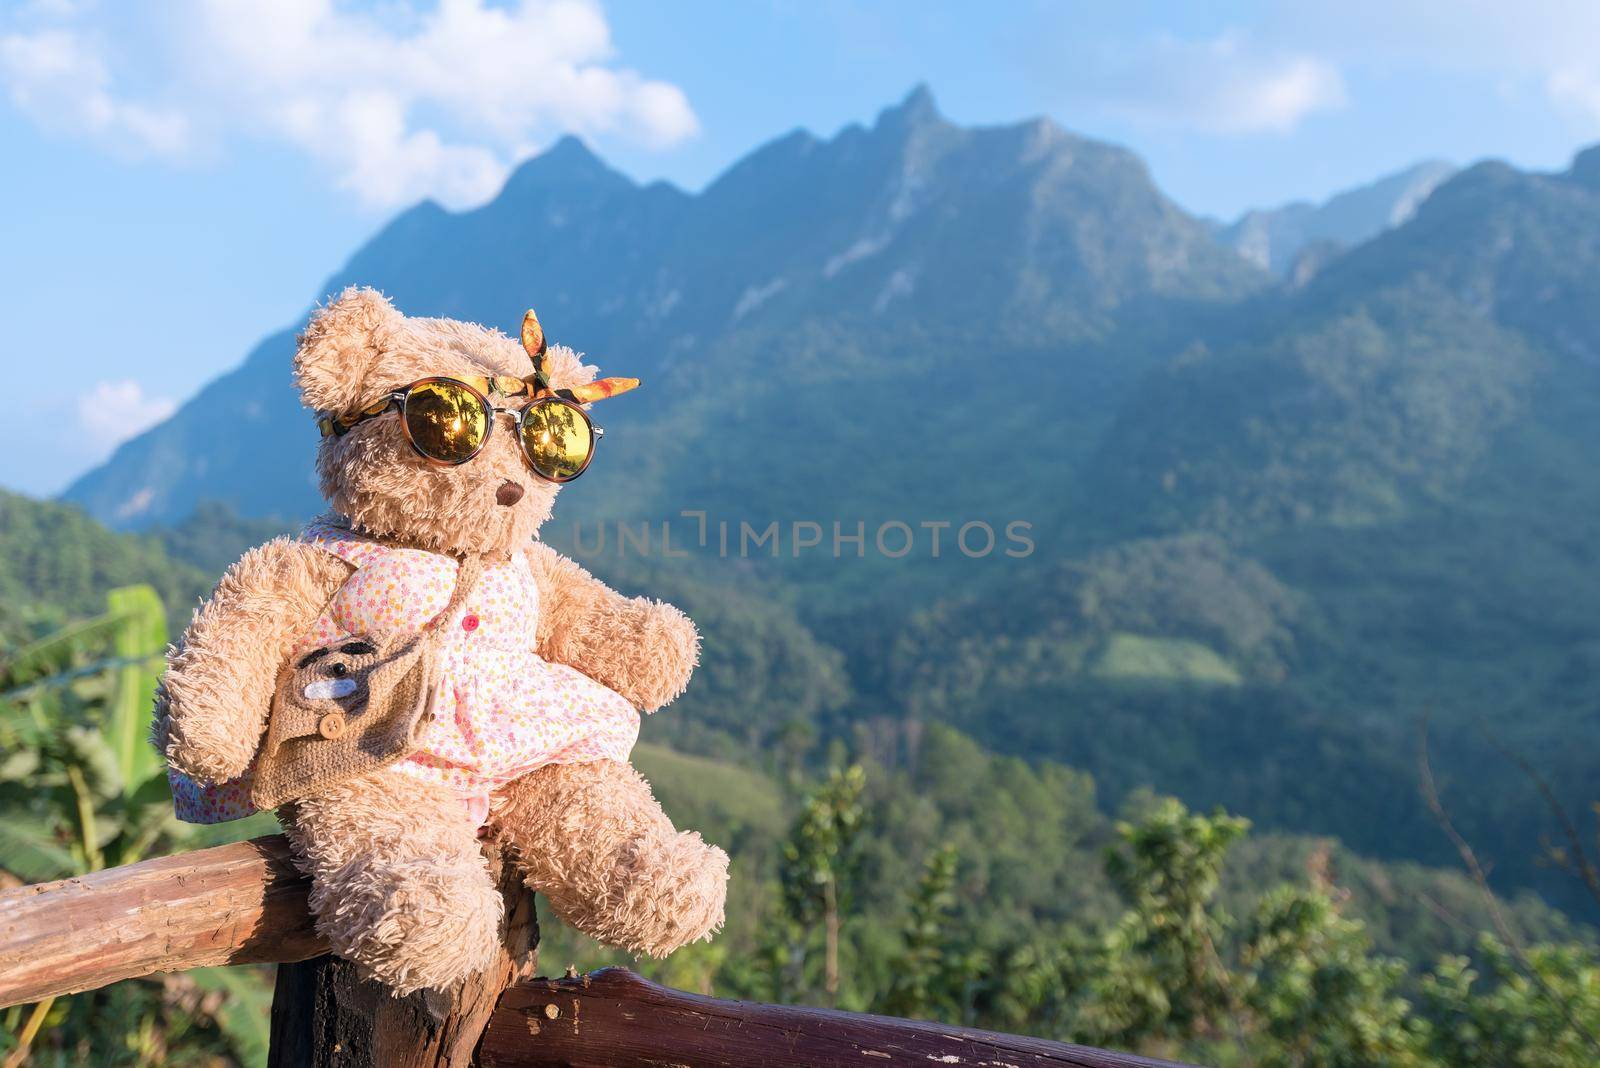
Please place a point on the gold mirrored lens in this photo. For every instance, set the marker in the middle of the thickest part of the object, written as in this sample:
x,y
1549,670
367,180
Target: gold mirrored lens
x,y
557,439
447,421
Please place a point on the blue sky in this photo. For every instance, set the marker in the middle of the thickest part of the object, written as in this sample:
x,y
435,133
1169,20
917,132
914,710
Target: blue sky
x,y
178,179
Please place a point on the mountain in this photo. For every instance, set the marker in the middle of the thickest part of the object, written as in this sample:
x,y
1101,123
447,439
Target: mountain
x,y
1272,525
1392,376
916,252
1372,501
1276,238
57,564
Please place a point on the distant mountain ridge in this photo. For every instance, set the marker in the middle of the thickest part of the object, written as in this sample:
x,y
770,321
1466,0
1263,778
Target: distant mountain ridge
x,y
1275,238
877,225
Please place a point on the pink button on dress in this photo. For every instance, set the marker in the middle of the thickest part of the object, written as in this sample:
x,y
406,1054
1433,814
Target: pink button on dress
x,y
501,710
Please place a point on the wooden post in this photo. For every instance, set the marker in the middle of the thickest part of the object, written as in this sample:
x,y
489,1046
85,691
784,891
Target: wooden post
x,y
323,1016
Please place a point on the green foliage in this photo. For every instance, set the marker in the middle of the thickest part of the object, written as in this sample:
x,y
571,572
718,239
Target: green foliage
x,y
1134,658
91,792
173,1021
1299,986
239,1000
1163,614
976,898
1542,1011
213,536
56,564
990,940
82,789
741,803
1321,998
929,877
818,867
1163,976
1352,411
819,855
931,974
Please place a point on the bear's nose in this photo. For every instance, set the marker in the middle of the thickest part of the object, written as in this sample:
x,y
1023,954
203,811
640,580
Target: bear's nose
x,y
508,494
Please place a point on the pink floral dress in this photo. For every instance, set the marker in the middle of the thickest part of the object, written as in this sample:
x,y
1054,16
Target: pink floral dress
x,y
501,710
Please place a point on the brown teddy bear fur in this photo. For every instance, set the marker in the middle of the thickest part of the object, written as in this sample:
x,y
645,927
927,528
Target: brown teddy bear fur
x,y
399,885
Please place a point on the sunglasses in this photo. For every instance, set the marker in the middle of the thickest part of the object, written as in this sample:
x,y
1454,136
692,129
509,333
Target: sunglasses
x,y
448,421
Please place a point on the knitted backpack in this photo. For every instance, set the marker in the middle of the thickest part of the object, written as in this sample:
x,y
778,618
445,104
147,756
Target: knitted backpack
x,y
353,706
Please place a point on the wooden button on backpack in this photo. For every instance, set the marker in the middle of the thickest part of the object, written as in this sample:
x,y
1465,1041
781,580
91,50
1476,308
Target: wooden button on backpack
x,y
353,706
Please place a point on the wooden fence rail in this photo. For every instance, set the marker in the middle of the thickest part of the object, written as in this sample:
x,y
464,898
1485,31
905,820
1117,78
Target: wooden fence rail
x,y
614,1019
246,903
235,904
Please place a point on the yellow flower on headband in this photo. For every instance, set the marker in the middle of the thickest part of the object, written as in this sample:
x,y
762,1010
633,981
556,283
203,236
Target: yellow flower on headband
x,y
533,341
534,344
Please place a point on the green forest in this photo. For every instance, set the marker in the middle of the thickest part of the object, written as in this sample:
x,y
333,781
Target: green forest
x,y
886,865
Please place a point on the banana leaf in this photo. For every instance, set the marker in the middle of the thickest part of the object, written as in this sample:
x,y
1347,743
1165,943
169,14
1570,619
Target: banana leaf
x,y
141,632
31,850
246,1013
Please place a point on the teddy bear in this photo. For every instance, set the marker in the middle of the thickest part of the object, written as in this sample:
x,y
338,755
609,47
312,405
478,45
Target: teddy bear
x,y
542,670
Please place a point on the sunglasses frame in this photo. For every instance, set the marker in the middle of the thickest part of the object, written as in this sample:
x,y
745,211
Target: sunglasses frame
x,y
396,399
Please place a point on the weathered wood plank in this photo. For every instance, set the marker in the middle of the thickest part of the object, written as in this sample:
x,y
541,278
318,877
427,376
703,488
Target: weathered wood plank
x,y
235,904
324,1016
615,1019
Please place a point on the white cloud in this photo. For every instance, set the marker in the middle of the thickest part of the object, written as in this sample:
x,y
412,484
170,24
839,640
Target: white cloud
x,y
57,79
1577,90
1465,35
1547,46
1228,84
1281,63
433,101
113,412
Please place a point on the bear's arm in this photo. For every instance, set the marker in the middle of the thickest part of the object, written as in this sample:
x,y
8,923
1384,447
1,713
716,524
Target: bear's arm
x,y
213,701
643,649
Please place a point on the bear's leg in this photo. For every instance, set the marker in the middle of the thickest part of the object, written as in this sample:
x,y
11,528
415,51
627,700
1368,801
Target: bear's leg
x,y
399,885
592,839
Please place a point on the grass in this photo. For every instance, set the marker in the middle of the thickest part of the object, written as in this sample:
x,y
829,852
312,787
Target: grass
x,y
1136,658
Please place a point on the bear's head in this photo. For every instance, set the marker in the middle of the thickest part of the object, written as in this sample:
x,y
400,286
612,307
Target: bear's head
x,y
358,349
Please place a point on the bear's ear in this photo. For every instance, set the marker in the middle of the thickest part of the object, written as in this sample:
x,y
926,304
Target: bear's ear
x,y
340,347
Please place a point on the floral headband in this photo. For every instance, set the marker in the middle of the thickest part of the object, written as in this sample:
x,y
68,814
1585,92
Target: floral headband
x,y
536,385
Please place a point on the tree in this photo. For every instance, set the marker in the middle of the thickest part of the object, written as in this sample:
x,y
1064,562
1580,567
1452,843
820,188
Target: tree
x,y
1161,973
819,859
930,974
1319,997
1297,986
1542,1012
